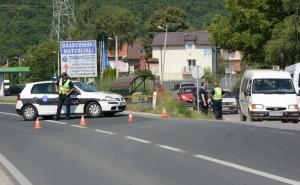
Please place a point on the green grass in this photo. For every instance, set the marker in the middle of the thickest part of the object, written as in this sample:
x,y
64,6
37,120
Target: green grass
x,y
173,107
8,100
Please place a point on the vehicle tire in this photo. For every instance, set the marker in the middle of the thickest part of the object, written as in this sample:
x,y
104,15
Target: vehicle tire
x,y
284,121
242,117
93,110
48,117
109,114
29,113
249,118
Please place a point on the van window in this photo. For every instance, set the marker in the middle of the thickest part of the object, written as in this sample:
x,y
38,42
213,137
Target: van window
x,y
273,86
244,84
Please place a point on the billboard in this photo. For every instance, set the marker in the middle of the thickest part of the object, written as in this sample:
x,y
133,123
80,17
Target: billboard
x,y
79,58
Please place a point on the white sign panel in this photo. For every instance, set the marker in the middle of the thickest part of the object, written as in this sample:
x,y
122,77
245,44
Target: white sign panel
x,y
79,58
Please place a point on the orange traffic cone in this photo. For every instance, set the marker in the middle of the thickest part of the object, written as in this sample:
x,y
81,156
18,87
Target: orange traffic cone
x,y
130,118
37,124
164,114
82,121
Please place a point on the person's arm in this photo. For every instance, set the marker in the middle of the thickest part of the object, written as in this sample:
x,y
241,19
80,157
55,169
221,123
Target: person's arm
x,y
72,88
56,86
203,99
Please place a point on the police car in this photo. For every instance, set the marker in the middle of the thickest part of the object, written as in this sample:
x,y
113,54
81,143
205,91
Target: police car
x,y
40,99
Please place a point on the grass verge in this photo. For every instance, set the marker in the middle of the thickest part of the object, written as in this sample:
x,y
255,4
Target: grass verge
x,y
7,99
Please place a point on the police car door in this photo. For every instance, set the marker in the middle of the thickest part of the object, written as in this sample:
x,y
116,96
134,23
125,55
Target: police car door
x,y
76,102
44,98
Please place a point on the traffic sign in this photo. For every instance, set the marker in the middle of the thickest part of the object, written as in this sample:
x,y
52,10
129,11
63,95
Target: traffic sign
x,y
197,74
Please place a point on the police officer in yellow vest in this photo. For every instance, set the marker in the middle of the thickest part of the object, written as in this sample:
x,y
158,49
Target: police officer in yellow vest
x,y
217,96
64,88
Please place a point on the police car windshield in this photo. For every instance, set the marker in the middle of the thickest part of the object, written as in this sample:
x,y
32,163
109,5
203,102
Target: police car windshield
x,y
85,87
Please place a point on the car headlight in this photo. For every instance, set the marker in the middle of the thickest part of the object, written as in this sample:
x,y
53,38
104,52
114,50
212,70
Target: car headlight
x,y
257,106
293,106
184,97
109,98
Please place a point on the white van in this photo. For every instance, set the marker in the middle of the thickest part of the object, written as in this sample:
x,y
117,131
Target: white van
x,y
268,95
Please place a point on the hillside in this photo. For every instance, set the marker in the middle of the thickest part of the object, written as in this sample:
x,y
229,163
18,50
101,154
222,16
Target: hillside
x,y
28,22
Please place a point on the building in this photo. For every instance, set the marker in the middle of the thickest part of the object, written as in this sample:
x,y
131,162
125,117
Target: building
x,y
234,60
184,50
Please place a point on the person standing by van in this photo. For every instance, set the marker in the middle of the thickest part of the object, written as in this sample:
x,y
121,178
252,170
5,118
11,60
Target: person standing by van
x,y
217,96
64,88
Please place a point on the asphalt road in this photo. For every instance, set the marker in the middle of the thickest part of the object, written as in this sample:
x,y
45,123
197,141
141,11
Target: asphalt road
x,y
150,151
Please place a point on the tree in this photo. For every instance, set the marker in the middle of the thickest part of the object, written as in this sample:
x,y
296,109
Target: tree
x,y
42,60
102,23
247,28
174,18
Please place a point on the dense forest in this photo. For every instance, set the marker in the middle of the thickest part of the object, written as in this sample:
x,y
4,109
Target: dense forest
x,y
24,23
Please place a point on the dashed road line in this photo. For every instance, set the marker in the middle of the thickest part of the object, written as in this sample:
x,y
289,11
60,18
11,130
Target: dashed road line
x,y
14,171
172,148
59,122
249,170
105,132
281,132
137,139
78,126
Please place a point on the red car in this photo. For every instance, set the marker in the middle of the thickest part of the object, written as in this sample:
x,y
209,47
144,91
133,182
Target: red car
x,y
185,95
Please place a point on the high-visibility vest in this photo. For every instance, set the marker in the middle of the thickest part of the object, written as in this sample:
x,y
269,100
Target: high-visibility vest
x,y
63,88
218,93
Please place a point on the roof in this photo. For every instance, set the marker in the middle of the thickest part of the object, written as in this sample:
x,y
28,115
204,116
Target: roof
x,y
14,70
267,74
179,38
122,83
135,51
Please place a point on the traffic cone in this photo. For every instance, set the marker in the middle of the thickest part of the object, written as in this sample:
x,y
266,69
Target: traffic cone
x,y
82,121
164,114
130,118
37,124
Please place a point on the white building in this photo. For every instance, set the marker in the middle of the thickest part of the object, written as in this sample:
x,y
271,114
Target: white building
x,y
183,51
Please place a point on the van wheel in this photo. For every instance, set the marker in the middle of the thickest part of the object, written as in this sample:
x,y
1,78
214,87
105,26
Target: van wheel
x,y
29,113
93,110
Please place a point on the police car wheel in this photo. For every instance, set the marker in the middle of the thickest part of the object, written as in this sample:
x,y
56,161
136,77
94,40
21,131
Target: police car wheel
x,y
93,110
29,113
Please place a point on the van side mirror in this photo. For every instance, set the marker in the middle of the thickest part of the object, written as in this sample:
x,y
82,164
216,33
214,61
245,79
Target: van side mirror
x,y
247,92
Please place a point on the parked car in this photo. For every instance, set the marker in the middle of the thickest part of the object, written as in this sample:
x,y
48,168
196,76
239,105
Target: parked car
x,y
14,90
186,95
183,84
229,102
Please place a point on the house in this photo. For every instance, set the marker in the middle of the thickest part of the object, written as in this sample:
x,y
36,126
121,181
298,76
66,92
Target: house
x,y
234,60
184,50
130,58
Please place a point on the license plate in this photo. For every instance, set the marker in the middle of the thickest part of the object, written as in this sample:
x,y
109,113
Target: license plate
x,y
123,103
225,108
275,113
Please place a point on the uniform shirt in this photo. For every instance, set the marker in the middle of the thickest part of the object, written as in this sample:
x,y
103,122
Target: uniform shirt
x,y
71,85
213,92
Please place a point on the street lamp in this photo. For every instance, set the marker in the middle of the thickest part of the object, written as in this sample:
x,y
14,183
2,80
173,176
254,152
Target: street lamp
x,y
116,54
164,60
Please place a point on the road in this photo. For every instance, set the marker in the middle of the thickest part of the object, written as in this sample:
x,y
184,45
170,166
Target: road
x,y
149,151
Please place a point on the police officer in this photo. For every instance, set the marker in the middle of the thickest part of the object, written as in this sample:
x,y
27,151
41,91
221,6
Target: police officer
x,y
217,96
203,96
64,88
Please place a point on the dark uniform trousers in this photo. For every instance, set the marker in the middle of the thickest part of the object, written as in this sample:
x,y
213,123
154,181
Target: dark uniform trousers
x,y
63,98
217,108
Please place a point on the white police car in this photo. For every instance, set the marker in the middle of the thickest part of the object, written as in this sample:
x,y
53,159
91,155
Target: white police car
x,y
40,99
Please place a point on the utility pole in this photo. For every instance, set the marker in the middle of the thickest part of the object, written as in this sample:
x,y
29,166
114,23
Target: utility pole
x,y
63,20
116,58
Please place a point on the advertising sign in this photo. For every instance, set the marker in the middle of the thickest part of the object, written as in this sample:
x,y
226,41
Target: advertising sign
x,y
79,58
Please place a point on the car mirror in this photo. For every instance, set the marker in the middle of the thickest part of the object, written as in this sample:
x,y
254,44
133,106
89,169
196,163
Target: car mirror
x,y
247,93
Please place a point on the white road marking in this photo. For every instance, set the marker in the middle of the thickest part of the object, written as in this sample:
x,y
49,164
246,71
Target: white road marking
x,y
11,114
105,132
172,148
281,132
14,171
137,139
5,103
78,126
52,121
249,170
